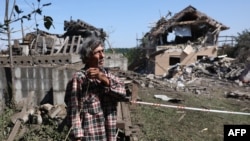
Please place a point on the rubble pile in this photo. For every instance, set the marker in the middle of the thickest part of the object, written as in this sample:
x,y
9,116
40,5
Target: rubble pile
x,y
202,77
38,123
238,94
36,115
218,68
199,77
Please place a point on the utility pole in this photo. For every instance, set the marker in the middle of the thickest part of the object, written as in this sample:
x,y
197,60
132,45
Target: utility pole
x,y
7,23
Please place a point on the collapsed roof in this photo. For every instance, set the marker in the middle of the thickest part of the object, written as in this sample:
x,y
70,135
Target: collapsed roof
x,y
188,16
189,26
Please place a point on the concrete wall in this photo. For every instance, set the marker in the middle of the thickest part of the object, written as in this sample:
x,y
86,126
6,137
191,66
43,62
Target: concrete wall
x,y
60,77
162,60
116,60
47,84
210,51
37,79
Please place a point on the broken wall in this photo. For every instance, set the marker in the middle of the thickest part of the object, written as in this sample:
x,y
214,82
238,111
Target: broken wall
x,y
209,51
177,55
163,61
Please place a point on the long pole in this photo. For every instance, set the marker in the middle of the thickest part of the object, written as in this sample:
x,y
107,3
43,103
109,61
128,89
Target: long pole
x,y
7,22
189,108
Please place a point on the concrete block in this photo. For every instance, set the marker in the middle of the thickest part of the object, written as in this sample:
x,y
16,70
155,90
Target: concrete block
x,y
18,84
22,60
17,73
75,58
4,60
58,97
116,60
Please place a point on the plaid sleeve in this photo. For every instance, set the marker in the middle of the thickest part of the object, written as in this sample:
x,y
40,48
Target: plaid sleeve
x,y
71,99
116,88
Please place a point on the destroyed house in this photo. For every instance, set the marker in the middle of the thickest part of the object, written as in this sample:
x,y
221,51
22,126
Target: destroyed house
x,y
181,39
41,48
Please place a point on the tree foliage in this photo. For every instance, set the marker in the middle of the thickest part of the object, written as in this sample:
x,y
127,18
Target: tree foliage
x,y
17,15
48,21
130,53
242,48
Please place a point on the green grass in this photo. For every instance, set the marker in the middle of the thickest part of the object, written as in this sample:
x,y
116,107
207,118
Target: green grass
x,y
163,124
157,123
5,123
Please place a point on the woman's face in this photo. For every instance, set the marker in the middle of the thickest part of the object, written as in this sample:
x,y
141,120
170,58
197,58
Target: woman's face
x,y
96,59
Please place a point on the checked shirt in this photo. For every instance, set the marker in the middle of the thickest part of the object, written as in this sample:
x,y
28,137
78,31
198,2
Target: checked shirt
x,y
91,107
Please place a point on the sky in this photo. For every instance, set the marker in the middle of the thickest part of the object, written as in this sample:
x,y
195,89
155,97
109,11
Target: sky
x,y
127,20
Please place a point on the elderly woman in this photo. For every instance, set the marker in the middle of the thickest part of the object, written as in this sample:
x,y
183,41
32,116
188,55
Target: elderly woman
x,y
92,95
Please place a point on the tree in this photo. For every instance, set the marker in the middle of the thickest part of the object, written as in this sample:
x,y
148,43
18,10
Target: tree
x,y
17,15
242,47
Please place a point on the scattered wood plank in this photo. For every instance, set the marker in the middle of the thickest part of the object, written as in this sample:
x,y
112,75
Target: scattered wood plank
x,y
14,131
